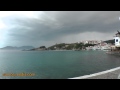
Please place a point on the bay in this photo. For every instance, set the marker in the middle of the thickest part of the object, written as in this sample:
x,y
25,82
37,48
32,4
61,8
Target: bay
x,y
55,64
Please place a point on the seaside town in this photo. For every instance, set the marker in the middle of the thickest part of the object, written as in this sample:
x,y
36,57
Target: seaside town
x,y
82,45
109,45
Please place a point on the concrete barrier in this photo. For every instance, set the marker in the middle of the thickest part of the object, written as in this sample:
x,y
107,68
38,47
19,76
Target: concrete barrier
x,y
99,73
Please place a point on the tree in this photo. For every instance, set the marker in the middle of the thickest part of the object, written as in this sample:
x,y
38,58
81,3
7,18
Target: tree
x,y
42,47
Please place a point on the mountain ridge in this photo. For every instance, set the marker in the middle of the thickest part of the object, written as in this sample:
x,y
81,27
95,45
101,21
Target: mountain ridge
x,y
17,48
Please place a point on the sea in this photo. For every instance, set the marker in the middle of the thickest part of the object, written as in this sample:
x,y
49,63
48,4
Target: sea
x,y
54,64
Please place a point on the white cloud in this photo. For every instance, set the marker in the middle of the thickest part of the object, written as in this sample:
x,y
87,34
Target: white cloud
x,y
13,14
19,13
2,25
2,32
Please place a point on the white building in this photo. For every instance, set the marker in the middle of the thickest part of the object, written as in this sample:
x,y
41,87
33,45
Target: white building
x,y
117,39
101,46
90,42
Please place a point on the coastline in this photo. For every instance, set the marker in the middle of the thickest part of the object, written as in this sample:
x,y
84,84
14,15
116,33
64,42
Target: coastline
x,y
108,74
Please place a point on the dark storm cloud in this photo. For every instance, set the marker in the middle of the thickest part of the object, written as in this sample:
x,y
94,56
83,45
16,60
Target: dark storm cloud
x,y
53,25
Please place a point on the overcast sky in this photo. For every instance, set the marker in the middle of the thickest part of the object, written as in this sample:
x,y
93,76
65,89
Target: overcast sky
x,y
37,28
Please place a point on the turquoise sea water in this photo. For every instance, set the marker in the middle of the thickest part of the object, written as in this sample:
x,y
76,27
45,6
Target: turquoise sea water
x,y
55,64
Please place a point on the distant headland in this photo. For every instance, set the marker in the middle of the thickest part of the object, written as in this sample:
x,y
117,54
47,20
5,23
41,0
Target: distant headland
x,y
17,48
